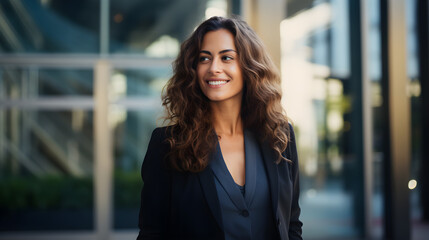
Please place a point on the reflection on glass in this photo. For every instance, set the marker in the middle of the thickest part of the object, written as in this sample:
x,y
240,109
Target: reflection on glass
x,y
318,97
132,130
378,122
31,83
139,83
414,91
216,8
65,82
154,28
49,26
46,165
131,138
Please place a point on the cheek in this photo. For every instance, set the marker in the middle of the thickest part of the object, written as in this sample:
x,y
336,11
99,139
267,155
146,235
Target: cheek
x,y
236,71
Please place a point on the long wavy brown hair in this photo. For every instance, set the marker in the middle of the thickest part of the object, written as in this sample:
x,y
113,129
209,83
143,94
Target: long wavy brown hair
x,y
192,137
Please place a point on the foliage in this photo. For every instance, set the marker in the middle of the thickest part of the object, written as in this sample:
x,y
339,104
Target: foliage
x,y
127,188
65,192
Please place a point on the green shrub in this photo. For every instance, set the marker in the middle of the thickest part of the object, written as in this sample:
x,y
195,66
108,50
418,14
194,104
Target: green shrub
x,y
127,188
65,192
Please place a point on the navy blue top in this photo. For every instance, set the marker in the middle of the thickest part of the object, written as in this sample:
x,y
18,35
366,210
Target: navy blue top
x,y
246,210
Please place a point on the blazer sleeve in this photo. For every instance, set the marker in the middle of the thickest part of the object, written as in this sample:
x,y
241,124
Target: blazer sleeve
x,y
155,195
295,225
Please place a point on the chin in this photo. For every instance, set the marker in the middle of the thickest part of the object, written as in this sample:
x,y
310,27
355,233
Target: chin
x,y
215,99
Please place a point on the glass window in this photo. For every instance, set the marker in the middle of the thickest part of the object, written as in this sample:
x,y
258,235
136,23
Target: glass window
x,y
131,138
132,129
378,118
31,83
49,26
416,170
320,100
139,83
153,28
46,165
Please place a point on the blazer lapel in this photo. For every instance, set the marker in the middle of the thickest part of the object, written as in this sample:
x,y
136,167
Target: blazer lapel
x,y
220,171
252,154
209,189
269,160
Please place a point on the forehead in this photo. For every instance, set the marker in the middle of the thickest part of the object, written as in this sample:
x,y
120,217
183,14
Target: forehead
x,y
218,40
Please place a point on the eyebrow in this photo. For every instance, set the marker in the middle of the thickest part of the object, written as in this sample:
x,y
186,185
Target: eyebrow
x,y
223,51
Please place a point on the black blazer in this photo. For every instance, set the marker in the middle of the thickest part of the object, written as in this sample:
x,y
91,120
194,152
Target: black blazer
x,y
178,205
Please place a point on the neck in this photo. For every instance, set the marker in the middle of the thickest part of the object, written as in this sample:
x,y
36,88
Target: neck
x,y
227,118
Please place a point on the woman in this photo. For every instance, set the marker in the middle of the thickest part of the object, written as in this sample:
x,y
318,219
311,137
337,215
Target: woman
x,y
227,166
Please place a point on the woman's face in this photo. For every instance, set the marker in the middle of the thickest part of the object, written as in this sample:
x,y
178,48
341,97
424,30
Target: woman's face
x,y
219,72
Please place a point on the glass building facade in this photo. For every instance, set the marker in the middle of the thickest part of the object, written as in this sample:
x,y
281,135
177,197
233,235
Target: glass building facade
x,y
80,87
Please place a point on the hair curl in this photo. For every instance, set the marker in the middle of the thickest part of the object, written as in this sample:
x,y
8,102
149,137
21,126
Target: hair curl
x,y
192,137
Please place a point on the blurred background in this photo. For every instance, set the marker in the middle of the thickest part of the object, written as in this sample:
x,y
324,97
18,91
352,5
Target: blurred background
x,y
80,85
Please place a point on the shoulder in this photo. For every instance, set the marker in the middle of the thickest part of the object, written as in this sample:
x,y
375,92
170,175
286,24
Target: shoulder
x,y
291,132
160,135
161,132
157,149
291,152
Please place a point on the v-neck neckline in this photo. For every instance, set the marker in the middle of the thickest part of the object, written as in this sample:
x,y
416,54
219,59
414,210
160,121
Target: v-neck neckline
x,y
225,178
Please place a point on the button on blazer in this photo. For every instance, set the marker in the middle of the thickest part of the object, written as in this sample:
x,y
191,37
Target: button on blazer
x,y
182,205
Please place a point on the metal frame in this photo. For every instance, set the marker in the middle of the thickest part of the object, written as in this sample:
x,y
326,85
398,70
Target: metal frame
x,y
103,152
357,83
423,38
265,18
82,61
51,103
104,26
367,122
397,165
85,103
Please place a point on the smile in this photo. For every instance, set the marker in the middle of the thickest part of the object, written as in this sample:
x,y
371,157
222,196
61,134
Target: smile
x,y
217,83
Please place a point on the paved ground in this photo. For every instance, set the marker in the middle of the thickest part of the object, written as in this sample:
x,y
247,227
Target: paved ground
x,y
420,231
329,215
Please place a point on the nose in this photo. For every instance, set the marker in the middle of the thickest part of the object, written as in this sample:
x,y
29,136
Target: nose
x,y
216,66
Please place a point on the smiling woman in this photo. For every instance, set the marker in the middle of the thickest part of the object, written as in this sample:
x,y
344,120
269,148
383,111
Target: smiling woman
x,y
227,166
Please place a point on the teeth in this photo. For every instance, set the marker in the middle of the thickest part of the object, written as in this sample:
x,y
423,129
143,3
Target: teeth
x,y
217,82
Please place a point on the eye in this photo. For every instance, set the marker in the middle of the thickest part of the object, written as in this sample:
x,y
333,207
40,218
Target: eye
x,y
227,58
203,59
